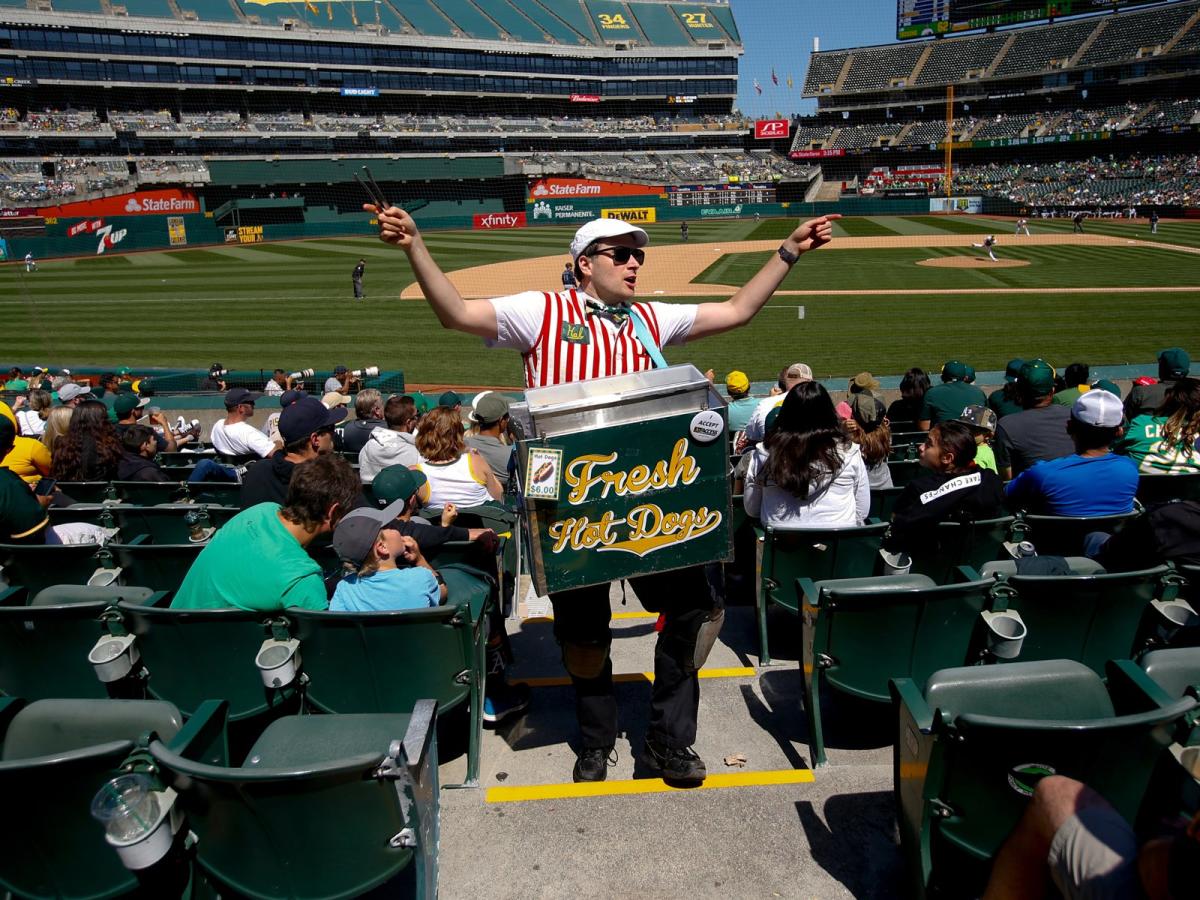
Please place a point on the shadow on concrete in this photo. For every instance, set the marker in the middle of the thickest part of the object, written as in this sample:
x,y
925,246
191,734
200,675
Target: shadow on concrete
x,y
849,723
856,843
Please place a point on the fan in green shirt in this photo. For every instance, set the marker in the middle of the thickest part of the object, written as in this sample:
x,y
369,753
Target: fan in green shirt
x,y
1165,444
948,399
258,560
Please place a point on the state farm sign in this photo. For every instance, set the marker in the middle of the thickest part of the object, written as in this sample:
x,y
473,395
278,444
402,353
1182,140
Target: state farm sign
x,y
549,188
137,204
771,129
487,221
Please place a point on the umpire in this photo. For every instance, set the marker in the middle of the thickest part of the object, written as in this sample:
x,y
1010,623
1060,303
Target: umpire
x,y
606,340
356,277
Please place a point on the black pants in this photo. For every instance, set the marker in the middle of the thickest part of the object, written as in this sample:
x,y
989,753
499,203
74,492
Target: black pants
x,y
358,290
582,616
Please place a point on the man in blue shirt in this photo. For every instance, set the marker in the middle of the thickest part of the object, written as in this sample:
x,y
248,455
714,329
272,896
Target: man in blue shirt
x,y
1091,482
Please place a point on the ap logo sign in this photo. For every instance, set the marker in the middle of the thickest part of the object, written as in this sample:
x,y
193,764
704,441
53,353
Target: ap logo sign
x,y
771,129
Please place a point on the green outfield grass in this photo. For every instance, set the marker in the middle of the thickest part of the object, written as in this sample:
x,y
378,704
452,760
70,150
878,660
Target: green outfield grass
x,y
289,305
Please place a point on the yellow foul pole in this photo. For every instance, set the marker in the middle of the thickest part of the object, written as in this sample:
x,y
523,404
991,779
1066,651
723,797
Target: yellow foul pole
x,y
948,175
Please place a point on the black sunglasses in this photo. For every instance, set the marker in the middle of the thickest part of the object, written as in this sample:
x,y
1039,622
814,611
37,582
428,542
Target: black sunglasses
x,y
620,255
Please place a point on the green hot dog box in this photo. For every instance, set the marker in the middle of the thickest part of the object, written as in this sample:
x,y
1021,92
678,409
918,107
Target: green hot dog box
x,y
623,476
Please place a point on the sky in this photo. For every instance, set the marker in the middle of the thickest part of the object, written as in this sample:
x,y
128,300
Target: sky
x,y
780,33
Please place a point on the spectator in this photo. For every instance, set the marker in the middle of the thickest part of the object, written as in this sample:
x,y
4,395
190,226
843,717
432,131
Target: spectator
x,y
90,450
1039,431
1006,400
215,380
969,376
27,458
1144,399
108,388
456,474
16,381
234,435
568,277
339,381
1165,443
450,400
23,518
336,400
258,559
982,422
368,411
277,384
490,418
1166,532
1093,481
1073,837
57,424
306,428
789,377
389,571
1076,383
741,404
72,394
946,400
271,426
129,407
907,410
394,445
32,421
868,427
954,489
806,473
864,383
400,483
140,444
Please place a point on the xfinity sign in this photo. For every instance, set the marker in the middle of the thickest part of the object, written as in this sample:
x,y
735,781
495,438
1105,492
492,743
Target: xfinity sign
x,y
488,221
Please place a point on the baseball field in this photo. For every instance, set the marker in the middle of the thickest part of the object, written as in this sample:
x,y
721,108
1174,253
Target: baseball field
x,y
889,293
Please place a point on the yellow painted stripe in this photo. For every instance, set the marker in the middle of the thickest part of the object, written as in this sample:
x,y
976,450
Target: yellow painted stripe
x,y
620,615
627,677
518,793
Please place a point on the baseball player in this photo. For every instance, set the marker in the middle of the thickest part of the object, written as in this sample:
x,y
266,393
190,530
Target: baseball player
x,y
1022,225
356,279
593,331
30,265
988,243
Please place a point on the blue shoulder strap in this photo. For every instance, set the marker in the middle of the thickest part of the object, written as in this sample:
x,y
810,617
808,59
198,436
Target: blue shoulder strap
x,y
643,335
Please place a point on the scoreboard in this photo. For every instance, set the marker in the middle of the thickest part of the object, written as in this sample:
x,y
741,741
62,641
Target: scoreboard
x,y
930,18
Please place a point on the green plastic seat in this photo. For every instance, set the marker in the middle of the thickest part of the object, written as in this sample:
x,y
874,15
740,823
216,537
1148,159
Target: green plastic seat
x,y
883,501
56,754
383,662
1079,565
323,807
148,493
1064,535
160,566
219,493
956,544
1088,618
37,566
818,554
858,633
91,513
162,524
971,746
1153,489
87,491
1177,671
904,471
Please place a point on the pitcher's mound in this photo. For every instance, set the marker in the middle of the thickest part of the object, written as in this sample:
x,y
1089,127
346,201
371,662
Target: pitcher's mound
x,y
971,262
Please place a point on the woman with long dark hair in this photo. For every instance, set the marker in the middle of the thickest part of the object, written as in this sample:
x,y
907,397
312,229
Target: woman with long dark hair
x,y
907,410
1165,443
90,450
806,472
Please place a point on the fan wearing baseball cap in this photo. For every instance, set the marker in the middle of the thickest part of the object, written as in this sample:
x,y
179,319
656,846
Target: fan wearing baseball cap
x,y
1039,431
234,435
592,331
387,569
306,428
946,400
741,404
1144,399
1093,481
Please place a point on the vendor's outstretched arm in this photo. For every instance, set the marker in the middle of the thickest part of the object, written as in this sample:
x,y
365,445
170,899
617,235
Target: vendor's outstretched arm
x,y
396,227
714,318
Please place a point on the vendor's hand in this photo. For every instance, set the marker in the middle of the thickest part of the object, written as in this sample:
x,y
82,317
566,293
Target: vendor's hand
x,y
396,227
449,514
812,234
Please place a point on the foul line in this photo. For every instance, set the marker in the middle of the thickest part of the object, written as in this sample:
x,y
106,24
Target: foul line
x,y
518,793
630,677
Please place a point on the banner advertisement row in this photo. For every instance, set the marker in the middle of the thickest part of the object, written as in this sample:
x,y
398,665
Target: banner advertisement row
x,y
956,204
549,188
141,203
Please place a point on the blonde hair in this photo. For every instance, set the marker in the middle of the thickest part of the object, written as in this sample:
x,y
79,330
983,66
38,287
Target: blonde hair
x,y
440,435
56,425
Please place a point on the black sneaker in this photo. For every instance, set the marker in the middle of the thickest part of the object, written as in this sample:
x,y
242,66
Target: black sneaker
x,y
677,766
593,763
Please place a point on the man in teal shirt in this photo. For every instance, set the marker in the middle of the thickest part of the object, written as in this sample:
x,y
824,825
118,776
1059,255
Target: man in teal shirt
x,y
741,404
948,399
258,559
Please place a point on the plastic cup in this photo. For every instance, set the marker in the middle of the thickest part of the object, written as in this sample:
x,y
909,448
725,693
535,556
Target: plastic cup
x,y
127,807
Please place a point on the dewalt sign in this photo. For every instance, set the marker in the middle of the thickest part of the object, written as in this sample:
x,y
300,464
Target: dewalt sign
x,y
640,215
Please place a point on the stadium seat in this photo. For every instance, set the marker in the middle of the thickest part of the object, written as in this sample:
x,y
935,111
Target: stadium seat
x,y
1161,488
904,471
958,544
160,566
816,554
44,644
56,755
857,633
883,501
1064,535
91,513
148,493
36,566
217,493
971,747
322,807
382,662
87,491
166,524
1089,618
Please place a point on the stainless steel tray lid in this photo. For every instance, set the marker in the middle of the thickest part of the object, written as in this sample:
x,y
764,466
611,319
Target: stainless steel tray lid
x,y
577,396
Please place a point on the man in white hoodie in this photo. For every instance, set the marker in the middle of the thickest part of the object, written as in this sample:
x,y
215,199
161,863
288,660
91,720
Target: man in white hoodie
x,y
393,445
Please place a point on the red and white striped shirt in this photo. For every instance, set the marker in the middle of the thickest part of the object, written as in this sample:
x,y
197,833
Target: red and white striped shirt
x,y
562,340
